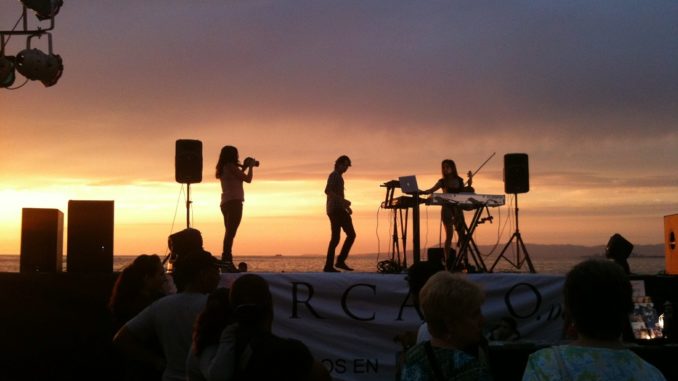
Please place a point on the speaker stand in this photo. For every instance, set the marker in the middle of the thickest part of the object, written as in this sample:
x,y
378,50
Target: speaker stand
x,y
169,256
188,205
520,247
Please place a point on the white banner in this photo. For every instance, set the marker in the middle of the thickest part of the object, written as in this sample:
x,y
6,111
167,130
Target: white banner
x,y
349,320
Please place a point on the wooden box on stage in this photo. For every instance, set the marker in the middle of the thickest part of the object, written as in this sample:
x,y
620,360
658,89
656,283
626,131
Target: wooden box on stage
x,y
670,249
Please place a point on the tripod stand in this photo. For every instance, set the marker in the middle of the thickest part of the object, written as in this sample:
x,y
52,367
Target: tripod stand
x,y
399,207
395,246
520,245
172,256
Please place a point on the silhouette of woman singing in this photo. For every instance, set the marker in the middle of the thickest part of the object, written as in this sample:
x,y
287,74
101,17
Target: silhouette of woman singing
x,y
232,175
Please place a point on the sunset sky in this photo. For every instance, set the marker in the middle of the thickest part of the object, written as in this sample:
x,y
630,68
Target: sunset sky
x,y
589,90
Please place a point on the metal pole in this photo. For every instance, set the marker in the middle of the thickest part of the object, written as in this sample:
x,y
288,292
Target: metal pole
x,y
188,205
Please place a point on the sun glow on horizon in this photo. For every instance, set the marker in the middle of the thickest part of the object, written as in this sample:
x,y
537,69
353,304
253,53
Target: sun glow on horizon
x,y
287,216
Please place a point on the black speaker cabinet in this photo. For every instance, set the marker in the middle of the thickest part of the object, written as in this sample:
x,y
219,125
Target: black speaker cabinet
x,y
42,235
516,173
90,236
188,161
618,247
435,254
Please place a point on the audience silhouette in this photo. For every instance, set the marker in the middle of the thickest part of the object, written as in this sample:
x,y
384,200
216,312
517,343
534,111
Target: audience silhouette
x,y
597,297
212,355
170,320
451,307
261,355
137,286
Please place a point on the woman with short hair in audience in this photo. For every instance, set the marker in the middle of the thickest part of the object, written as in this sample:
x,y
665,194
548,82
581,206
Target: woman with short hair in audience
x,y
597,296
451,307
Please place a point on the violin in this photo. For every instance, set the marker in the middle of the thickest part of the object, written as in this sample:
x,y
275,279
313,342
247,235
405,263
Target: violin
x,y
468,188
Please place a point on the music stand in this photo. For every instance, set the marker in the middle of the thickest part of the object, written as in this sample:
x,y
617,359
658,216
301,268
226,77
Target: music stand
x,y
520,245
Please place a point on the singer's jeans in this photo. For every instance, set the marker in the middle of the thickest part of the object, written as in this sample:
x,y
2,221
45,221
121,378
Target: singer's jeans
x,y
232,212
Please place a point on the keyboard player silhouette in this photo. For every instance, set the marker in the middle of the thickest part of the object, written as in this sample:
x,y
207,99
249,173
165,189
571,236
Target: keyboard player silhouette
x,y
457,197
466,245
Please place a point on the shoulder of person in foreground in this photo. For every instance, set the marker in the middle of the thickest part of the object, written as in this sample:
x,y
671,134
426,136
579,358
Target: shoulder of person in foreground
x,y
454,363
285,359
576,362
540,366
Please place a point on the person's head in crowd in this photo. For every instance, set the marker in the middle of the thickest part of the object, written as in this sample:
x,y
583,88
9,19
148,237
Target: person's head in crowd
x,y
212,320
252,302
451,306
598,299
418,274
196,272
185,242
137,285
505,330
242,267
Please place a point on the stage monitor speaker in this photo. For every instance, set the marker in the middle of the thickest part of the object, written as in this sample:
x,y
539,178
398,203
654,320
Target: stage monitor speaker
x,y
90,236
188,161
516,173
670,250
435,254
42,234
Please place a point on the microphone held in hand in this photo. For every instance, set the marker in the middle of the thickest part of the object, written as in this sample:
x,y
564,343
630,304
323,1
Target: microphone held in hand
x,y
250,162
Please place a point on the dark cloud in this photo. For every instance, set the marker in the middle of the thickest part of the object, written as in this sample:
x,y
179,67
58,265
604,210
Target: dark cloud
x,y
573,83
574,66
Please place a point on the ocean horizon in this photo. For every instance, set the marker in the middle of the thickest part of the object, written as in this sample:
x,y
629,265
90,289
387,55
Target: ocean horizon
x,y
546,259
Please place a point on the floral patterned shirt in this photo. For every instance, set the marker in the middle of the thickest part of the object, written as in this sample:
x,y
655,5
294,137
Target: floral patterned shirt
x,y
454,364
570,362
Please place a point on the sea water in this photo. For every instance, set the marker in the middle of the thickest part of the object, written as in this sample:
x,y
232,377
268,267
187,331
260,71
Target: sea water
x,y
645,265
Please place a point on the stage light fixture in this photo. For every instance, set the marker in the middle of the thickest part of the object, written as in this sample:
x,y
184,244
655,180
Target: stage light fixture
x,y
36,65
7,73
44,9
